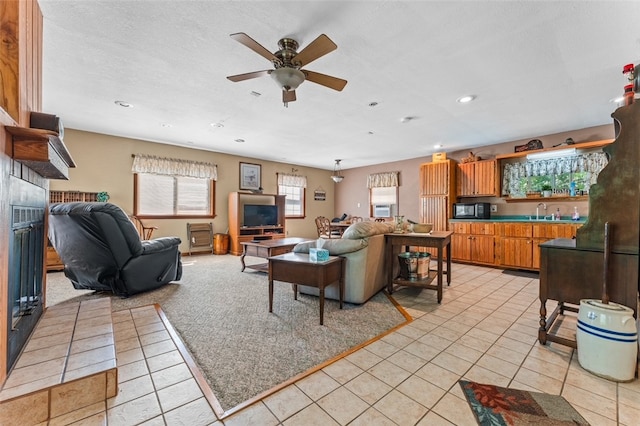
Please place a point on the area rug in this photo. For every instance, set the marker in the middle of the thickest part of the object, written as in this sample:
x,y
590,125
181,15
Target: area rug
x,y
221,314
524,274
494,405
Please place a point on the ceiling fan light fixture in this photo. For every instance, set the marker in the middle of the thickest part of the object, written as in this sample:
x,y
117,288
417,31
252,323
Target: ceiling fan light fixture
x,y
287,78
337,173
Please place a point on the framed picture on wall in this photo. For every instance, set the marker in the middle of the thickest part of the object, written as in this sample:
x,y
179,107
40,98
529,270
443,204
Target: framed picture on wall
x,y
250,176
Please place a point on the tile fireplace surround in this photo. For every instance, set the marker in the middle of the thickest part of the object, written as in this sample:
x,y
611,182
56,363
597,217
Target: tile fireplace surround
x,y
485,330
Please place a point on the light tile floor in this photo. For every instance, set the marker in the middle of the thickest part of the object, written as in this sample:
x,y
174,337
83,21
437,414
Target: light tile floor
x,y
485,330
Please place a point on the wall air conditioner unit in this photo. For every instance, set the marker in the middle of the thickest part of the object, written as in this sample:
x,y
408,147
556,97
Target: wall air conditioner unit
x,y
382,210
547,155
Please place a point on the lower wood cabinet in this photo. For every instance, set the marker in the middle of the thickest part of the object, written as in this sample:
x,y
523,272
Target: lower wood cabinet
x,y
505,244
473,242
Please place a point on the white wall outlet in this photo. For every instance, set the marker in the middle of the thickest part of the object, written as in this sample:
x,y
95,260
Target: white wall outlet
x,y
494,208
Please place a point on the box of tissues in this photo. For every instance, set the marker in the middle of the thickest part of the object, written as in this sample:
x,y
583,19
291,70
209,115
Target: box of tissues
x,y
318,254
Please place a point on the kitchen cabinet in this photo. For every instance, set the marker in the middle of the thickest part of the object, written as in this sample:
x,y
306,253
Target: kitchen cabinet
x,y
478,179
473,242
437,193
544,232
520,242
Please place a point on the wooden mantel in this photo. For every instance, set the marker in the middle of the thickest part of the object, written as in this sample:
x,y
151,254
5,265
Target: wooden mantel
x,y
41,150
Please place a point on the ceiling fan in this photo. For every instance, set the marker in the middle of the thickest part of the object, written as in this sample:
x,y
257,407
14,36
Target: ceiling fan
x,y
287,62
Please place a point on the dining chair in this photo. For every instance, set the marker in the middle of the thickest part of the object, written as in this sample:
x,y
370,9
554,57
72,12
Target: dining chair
x,y
324,228
356,219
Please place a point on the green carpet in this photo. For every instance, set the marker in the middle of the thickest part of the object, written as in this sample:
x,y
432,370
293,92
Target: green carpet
x,y
222,316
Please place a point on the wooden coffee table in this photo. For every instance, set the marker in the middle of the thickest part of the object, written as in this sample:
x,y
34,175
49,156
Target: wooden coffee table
x,y
296,268
267,248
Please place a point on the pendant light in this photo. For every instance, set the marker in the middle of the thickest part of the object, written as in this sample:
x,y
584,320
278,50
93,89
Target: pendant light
x,y
337,175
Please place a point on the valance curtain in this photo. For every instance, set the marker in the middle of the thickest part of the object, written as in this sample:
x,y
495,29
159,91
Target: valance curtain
x,y
591,163
383,180
292,180
173,167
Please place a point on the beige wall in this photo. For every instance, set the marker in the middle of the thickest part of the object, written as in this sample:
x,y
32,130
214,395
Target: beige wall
x,y
353,191
104,164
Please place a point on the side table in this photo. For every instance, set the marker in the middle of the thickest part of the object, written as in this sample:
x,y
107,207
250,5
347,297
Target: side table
x,y
441,240
296,268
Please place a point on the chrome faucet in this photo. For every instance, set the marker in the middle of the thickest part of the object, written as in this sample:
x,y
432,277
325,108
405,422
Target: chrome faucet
x,y
537,210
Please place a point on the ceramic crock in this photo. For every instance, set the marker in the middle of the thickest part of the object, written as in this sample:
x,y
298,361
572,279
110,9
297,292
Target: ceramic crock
x,y
607,340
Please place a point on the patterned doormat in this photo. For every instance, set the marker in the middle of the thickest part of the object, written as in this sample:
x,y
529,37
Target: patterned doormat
x,y
494,405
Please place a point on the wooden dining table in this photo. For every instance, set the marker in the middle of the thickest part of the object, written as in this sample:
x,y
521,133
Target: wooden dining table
x,y
339,226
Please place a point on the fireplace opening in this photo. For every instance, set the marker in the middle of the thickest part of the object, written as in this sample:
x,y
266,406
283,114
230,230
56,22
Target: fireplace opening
x,y
26,265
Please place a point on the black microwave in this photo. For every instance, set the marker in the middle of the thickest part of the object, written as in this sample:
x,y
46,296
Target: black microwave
x,y
471,211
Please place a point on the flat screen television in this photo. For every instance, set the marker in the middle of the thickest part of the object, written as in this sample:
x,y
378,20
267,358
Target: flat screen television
x,y
260,215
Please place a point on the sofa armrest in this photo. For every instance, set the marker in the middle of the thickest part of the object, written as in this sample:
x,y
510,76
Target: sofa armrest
x,y
159,244
336,247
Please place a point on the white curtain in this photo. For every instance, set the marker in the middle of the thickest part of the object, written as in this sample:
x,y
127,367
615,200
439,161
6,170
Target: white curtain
x,y
173,167
383,180
591,163
292,180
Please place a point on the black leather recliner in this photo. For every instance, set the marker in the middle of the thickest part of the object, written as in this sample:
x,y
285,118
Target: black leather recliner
x,y
101,250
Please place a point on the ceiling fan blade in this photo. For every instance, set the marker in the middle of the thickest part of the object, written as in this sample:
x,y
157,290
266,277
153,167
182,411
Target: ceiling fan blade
x,y
249,75
288,96
325,80
316,49
255,46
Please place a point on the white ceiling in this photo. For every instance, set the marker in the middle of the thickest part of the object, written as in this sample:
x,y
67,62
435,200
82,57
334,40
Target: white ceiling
x,y
536,67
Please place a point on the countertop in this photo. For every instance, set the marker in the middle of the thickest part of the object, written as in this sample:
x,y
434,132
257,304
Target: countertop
x,y
521,218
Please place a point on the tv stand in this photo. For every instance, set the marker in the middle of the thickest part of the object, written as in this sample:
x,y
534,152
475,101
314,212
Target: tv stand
x,y
239,233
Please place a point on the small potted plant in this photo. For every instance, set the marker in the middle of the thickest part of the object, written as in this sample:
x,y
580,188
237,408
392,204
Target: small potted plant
x,y
546,190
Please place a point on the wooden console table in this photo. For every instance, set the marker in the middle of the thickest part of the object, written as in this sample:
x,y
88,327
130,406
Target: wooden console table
x,y
441,240
568,274
296,268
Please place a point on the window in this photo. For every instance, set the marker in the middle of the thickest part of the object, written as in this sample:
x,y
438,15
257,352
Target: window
x,y
522,178
159,195
294,188
173,188
383,194
384,201
294,201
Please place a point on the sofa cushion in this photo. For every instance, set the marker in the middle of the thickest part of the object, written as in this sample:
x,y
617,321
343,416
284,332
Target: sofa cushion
x,y
366,229
336,246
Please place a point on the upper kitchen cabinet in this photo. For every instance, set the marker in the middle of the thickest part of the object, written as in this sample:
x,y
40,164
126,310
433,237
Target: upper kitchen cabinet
x,y
437,178
478,179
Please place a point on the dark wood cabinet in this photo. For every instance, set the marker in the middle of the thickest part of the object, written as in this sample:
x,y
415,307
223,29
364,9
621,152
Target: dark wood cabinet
x,y
571,270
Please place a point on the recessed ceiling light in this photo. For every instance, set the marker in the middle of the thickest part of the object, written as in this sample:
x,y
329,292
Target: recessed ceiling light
x,y
124,104
239,140
254,93
465,99
407,119
165,125
373,104
218,125
438,146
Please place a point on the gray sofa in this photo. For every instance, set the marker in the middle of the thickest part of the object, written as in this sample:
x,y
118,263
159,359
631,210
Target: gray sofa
x,y
362,245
